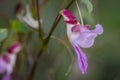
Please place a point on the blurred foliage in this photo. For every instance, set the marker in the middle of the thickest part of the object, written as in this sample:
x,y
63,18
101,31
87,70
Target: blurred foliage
x,y
3,34
103,57
17,26
88,4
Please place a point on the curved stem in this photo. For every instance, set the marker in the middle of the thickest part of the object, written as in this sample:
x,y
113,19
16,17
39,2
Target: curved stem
x,y
69,51
57,19
81,19
63,3
65,44
45,43
32,73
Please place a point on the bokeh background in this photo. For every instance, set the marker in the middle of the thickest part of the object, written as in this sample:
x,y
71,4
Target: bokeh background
x,y
103,57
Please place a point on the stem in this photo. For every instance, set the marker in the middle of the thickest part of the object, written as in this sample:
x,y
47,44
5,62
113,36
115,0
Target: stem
x,y
39,23
63,3
81,19
45,43
69,51
65,44
57,19
32,73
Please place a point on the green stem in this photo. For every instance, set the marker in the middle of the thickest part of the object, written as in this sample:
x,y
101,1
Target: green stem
x,y
32,73
69,51
39,23
45,43
65,44
81,19
63,3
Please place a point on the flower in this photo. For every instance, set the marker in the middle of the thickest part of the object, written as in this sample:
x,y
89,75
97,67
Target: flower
x,y
80,36
28,18
7,60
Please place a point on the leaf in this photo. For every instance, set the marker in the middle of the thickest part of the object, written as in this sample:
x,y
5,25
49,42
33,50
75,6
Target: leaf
x,y
3,34
88,4
17,26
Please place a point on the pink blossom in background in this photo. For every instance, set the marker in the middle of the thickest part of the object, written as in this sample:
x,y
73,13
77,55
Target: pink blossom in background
x,y
28,18
7,60
80,36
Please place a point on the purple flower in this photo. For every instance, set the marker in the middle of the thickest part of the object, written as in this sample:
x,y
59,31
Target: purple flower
x,y
80,36
7,60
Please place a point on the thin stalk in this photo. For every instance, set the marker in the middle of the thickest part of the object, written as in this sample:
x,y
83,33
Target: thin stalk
x,y
63,3
65,44
81,18
45,43
57,19
32,73
69,51
39,23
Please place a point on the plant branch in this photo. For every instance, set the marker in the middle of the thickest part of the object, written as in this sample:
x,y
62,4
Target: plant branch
x,y
39,23
45,43
69,51
57,19
81,18
32,73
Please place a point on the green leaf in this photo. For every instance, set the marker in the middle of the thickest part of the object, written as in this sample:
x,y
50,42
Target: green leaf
x,y
88,4
17,26
3,34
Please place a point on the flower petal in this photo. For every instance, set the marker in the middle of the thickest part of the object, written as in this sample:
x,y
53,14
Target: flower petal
x,y
15,48
6,77
29,20
86,39
68,16
3,65
76,28
82,59
98,29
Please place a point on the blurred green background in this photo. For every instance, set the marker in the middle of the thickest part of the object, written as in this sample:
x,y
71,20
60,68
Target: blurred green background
x,y
103,57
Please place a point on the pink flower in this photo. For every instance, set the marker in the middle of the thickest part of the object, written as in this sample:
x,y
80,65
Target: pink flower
x,y
7,60
80,36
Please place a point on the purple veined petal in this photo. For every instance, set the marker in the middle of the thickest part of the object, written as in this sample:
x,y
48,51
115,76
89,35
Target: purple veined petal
x,y
3,65
76,28
86,39
98,29
87,26
82,59
6,58
6,77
